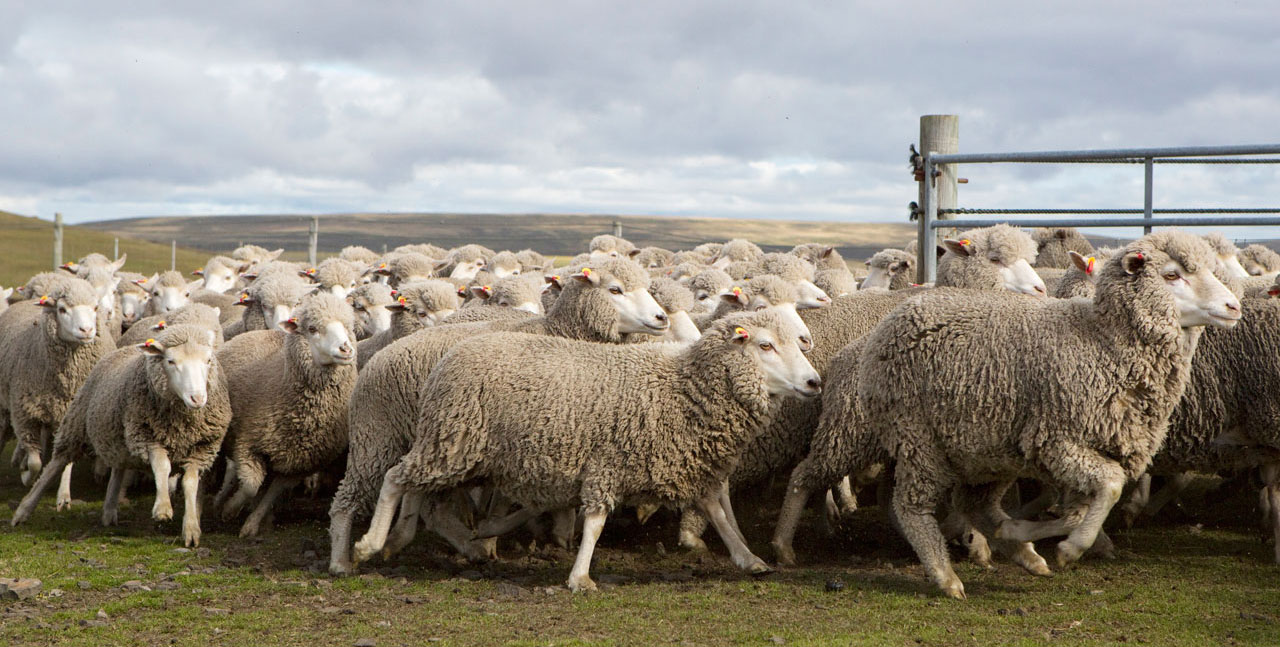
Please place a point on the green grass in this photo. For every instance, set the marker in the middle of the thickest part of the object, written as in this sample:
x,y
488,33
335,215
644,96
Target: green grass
x,y
1171,585
26,248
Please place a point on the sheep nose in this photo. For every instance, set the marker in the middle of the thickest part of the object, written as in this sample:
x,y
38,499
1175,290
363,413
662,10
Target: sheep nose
x,y
806,344
814,383
197,400
345,348
661,316
824,299
1233,306
1039,290
87,331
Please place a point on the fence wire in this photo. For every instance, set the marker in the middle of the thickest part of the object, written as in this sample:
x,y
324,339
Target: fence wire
x,y
1103,212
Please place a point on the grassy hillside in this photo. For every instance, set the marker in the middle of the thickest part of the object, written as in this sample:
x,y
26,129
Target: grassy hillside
x,y
562,235
26,248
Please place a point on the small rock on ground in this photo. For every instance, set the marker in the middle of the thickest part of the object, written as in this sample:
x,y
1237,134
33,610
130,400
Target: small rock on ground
x,y
19,588
366,642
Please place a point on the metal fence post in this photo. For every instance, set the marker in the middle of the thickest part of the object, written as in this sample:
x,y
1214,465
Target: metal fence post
x,y
173,255
1146,204
927,237
313,239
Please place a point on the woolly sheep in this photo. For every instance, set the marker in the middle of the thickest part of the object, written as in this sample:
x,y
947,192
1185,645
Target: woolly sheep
x,y
701,405
335,275
822,257
269,301
1259,259
652,257
504,264
1052,245
737,251
684,271
531,261
430,251
708,251
166,292
1006,247
605,246
891,269
220,274
47,349
761,293
693,258
1084,425
41,284
518,292
83,266
300,424
465,262
708,287
131,298
358,254
415,306
406,268
160,404
1227,253
370,303
195,314
1082,277
252,256
836,282
676,300
385,403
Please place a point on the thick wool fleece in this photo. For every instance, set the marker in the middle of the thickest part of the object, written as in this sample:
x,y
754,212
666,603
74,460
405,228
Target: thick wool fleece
x,y
671,295
333,272
1259,259
432,295
358,254
277,284
899,265
837,282
1002,243
707,285
426,249
127,407
42,284
409,266
958,392
770,288
672,441
40,373
654,257
196,314
739,250
1076,282
384,405
1053,244
299,425
606,243
823,257
531,261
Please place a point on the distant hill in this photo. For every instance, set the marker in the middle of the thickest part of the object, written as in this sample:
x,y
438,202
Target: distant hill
x,y
554,234
26,248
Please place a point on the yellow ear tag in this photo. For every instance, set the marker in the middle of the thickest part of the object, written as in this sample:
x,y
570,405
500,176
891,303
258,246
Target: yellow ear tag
x,y
311,271
244,296
149,342
44,299
741,332
586,271
964,241
382,266
402,300
1089,266
160,324
555,277
737,291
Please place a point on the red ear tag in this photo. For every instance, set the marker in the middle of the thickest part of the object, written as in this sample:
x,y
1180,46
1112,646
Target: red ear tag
x,y
1089,268
964,241
160,325
740,332
586,271
311,271
556,277
737,291
382,266
402,300
149,343
44,299
1274,292
1140,256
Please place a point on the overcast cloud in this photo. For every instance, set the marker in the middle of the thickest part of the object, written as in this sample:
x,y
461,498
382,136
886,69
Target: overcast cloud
x,y
799,110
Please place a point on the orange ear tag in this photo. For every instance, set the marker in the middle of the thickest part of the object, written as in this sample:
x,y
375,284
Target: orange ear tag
x,y
1089,267
740,332
965,241
402,300
586,271
44,299
244,296
149,343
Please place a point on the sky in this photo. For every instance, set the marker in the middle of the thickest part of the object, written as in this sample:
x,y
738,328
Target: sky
x,y
791,109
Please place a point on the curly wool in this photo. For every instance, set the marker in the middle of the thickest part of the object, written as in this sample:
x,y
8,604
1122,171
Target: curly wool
x,y
336,272
1053,244
707,286
408,267
739,251
504,262
608,244
195,314
823,257
898,265
432,296
358,254
1259,259
1001,243
655,257
700,406
277,284
531,261
1076,282
768,290
40,373
299,425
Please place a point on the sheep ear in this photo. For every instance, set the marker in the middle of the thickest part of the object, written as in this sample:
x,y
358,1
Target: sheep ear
x,y
115,267
633,253
739,335
249,276
587,275
245,300
199,271
826,252
68,266
1133,262
151,347
271,256
867,263
957,247
553,280
735,295
481,291
309,273
290,325
47,301
1083,264
5,294
440,266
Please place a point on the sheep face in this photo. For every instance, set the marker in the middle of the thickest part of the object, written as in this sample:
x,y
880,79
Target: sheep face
x,y
468,269
786,370
1009,262
217,277
167,298
682,330
1200,297
328,336
886,266
76,315
420,309
637,310
186,366
372,317
811,296
131,304
1234,268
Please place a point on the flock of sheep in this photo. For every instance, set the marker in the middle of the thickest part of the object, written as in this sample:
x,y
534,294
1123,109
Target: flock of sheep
x,y
475,393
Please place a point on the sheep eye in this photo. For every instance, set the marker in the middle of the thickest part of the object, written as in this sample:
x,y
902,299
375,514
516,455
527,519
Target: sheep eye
x,y
311,329
1171,276
171,362
995,260
615,290
760,307
422,313
359,308
766,346
186,294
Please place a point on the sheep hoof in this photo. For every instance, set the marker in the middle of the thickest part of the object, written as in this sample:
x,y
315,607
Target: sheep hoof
x,y
362,552
62,503
162,511
110,518
581,584
481,550
759,568
1068,553
248,530
643,512
341,568
191,537
784,554
953,589
27,476
692,543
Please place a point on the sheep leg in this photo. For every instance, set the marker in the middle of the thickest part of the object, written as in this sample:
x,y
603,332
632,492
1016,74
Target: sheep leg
x,y
714,511
445,523
958,526
162,510
916,495
1082,465
191,505
727,506
29,502
848,500
988,515
1270,503
250,473
1174,488
1035,507
406,527
279,485
380,524
31,466
111,502
494,527
228,484
340,522
692,525
563,522
580,576
64,488
1138,499
788,519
